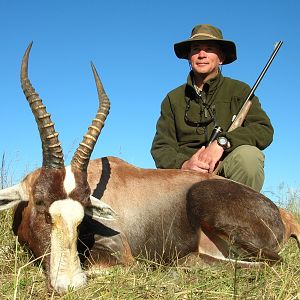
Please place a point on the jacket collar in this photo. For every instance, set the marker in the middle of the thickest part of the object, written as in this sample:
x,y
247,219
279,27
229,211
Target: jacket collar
x,y
209,87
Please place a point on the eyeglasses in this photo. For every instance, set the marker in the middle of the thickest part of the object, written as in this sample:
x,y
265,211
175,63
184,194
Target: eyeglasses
x,y
205,112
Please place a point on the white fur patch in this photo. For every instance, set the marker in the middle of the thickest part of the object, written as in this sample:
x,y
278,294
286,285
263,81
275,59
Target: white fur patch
x,y
69,182
65,268
70,211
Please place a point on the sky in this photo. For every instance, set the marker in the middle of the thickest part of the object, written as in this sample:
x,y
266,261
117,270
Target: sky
x,y
131,44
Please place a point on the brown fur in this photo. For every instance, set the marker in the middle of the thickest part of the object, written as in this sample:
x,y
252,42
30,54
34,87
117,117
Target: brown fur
x,y
48,188
151,212
153,220
292,227
248,223
82,190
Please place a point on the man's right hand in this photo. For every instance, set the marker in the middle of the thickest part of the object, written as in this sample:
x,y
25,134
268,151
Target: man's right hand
x,y
194,164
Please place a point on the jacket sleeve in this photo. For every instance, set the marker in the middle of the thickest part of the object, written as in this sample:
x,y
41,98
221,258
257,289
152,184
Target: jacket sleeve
x,y
256,130
165,150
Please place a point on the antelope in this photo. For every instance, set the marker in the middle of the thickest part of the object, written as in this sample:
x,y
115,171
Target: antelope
x,y
98,213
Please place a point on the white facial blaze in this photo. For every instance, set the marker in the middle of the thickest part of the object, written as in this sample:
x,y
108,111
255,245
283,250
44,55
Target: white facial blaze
x,y
69,182
65,269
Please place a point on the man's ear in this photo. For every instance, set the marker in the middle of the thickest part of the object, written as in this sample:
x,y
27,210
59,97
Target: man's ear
x,y
222,58
99,210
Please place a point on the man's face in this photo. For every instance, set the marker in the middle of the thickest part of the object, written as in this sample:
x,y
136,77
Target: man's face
x,y
205,58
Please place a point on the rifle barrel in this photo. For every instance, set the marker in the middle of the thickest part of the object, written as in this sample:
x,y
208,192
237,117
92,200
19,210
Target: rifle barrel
x,y
237,119
263,72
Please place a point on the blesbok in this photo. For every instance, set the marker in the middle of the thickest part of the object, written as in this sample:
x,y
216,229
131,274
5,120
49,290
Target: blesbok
x,y
156,213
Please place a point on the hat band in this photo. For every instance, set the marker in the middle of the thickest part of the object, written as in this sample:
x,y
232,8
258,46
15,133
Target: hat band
x,y
205,34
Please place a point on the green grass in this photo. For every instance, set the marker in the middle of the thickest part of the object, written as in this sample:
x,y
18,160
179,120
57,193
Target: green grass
x,y
22,278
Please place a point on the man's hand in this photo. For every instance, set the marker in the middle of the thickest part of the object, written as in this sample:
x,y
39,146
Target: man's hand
x,y
195,164
205,159
211,155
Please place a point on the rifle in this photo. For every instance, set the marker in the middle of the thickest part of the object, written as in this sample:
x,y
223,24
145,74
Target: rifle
x,y
237,120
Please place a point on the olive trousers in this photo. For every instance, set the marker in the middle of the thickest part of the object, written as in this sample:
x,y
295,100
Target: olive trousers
x,y
245,164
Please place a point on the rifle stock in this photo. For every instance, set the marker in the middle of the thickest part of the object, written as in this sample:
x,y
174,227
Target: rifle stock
x,y
239,119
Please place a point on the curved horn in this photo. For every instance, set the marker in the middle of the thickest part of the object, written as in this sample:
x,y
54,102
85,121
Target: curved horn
x,y
52,151
83,153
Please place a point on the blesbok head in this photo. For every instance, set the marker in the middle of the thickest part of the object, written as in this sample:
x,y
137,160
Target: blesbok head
x,y
52,200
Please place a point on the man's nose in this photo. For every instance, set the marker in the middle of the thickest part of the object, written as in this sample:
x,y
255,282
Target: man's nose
x,y
201,53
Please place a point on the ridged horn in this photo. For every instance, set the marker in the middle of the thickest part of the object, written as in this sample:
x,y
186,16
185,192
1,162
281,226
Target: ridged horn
x,y
83,153
52,150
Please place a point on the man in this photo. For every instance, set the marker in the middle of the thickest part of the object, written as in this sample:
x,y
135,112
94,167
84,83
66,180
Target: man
x,y
190,112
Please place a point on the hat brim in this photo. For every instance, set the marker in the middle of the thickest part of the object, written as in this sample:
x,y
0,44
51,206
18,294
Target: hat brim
x,y
182,49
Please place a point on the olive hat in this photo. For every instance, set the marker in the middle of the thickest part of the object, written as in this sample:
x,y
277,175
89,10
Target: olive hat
x,y
206,32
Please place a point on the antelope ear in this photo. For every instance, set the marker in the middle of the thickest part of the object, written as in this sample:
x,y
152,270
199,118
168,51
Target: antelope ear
x,y
11,196
99,210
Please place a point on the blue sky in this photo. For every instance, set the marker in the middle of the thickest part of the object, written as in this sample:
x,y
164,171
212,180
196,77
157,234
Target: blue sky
x,y
131,44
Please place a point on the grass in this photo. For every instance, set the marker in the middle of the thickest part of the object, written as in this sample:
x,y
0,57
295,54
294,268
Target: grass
x,y
22,278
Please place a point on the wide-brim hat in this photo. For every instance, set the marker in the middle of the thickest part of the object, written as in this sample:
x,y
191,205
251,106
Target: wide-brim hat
x,y
206,32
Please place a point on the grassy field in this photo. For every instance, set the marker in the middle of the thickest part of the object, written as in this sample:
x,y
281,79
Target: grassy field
x,y
22,278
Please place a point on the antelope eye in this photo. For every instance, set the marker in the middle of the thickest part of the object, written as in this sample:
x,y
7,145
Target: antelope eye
x,y
48,218
39,202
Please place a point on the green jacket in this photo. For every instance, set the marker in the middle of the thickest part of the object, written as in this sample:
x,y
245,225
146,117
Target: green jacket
x,y
176,139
